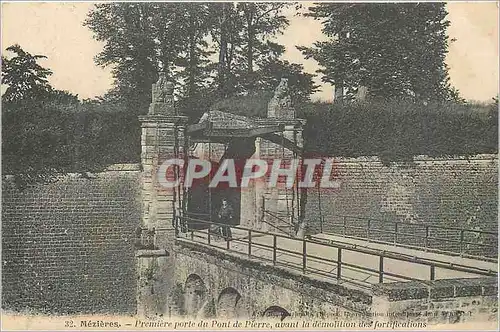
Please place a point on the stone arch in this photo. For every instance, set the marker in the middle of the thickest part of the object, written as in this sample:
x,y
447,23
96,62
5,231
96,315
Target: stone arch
x,y
195,295
276,312
227,303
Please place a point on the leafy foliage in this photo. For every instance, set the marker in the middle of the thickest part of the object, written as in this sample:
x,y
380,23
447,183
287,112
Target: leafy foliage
x,y
41,141
395,50
399,130
142,38
46,131
27,80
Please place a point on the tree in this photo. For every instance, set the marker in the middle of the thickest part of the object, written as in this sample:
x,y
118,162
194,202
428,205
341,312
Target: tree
x,y
260,22
144,38
38,133
226,36
249,57
129,47
395,50
196,66
26,79
180,39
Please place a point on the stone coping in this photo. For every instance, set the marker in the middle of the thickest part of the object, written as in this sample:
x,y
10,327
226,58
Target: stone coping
x,y
152,253
438,289
145,119
135,167
417,159
124,167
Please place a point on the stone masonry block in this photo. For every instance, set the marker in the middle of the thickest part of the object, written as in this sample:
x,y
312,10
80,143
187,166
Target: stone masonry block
x,y
402,290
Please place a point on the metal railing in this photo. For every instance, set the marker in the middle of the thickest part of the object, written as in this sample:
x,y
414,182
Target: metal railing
x,y
456,243
248,246
284,222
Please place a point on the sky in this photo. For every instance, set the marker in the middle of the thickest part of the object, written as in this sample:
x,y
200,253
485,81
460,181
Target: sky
x,y
55,30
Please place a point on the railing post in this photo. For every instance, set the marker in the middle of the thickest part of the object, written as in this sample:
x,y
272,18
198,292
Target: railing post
x,y
304,255
249,243
263,215
153,240
461,242
321,224
339,263
395,232
381,269
426,243
433,272
274,249
227,242
368,231
208,231
344,221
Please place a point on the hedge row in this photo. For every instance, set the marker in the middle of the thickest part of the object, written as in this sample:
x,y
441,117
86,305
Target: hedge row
x,y
400,130
41,140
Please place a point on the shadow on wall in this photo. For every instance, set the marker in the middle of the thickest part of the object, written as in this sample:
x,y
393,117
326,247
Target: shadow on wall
x,y
276,312
227,303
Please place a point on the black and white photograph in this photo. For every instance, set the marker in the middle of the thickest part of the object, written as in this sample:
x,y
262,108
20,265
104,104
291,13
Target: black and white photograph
x,y
253,166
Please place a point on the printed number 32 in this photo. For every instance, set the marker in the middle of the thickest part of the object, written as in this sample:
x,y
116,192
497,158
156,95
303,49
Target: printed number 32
x,y
68,323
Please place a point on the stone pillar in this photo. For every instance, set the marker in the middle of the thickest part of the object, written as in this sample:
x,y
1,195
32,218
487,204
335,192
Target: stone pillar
x,y
163,137
249,211
281,201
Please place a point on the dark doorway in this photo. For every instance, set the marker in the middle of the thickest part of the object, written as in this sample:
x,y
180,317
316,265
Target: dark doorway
x,y
204,203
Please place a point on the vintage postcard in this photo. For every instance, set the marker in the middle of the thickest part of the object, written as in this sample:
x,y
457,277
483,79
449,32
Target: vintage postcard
x,y
249,166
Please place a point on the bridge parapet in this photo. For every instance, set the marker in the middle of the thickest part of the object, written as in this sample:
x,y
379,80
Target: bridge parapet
x,y
439,301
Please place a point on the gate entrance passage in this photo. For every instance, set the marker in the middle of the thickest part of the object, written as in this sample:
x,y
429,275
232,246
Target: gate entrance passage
x,y
221,136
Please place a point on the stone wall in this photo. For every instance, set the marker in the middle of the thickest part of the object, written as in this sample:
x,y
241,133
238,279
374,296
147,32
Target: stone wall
x,y
447,192
439,302
68,246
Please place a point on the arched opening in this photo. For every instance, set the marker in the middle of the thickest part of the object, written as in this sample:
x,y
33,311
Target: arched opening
x,y
276,312
195,293
226,303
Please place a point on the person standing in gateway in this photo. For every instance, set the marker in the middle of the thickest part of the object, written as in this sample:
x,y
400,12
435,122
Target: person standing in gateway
x,y
226,214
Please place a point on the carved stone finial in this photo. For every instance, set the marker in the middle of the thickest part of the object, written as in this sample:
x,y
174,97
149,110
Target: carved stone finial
x,y
159,89
280,105
162,97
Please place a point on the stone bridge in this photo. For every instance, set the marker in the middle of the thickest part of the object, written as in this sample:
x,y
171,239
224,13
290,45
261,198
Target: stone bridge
x,y
204,281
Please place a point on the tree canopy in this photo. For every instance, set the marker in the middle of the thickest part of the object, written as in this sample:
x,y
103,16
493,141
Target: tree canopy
x,y
46,131
396,50
222,49
27,80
